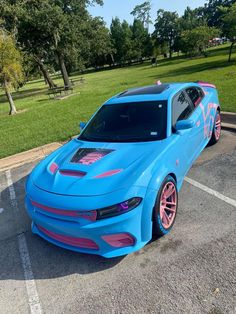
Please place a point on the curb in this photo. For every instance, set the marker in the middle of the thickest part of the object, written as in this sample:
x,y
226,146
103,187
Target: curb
x,y
27,156
228,113
228,127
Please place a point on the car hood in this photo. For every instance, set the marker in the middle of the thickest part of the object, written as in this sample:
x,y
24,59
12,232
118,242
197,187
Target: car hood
x,y
88,168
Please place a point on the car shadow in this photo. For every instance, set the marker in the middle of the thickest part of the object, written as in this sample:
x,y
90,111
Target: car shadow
x,y
47,260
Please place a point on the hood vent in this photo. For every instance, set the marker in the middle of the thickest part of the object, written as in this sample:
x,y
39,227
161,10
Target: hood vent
x,y
88,156
72,173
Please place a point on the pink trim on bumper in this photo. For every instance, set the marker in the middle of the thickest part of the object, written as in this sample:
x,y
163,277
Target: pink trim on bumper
x,y
90,215
77,242
119,240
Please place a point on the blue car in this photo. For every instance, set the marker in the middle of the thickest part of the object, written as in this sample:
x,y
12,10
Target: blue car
x,y
109,190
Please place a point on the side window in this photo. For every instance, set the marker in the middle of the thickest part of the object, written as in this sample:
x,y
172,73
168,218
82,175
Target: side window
x,y
195,94
181,108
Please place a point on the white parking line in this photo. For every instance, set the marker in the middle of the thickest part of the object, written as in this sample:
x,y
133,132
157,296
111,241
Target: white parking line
x,y
11,191
33,298
212,192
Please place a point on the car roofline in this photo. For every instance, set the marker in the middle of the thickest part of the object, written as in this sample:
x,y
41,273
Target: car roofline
x,y
173,89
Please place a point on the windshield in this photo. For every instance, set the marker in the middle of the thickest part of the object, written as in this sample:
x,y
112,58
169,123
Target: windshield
x,y
128,122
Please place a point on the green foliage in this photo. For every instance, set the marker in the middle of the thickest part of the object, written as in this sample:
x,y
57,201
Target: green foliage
x,y
192,18
141,41
99,49
121,38
11,73
142,13
166,28
229,21
48,28
195,41
214,13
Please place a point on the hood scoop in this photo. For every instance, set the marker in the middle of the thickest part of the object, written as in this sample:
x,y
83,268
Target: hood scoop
x,y
88,156
73,173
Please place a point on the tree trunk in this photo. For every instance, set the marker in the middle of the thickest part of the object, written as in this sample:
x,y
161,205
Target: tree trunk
x,y
46,75
65,76
10,100
170,49
230,51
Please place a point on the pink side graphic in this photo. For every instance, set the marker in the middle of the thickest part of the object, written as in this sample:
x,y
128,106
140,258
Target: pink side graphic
x,y
208,126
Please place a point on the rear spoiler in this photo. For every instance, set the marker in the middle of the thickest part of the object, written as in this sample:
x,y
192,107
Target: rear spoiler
x,y
206,84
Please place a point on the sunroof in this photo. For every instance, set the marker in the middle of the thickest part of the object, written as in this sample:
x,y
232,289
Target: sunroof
x,y
149,90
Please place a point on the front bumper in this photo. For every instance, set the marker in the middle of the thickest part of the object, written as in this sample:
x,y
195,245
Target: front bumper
x,y
136,224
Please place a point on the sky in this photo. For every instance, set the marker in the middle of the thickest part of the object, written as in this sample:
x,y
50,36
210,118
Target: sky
x,y
122,8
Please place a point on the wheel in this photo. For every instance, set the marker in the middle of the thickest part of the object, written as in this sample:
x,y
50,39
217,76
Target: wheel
x,y
165,209
216,129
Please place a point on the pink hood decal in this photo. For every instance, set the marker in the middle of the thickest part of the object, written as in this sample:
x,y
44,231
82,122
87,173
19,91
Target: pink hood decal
x,y
88,156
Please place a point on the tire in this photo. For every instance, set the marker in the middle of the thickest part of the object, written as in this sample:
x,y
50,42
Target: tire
x,y
216,132
163,218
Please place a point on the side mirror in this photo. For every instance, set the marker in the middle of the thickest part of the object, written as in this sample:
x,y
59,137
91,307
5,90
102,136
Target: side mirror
x,y
82,125
184,125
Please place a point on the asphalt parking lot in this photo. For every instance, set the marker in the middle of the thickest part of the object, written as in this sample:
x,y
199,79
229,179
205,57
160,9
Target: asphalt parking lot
x,y
191,270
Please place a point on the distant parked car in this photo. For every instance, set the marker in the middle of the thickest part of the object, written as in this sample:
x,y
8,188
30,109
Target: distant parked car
x,y
108,190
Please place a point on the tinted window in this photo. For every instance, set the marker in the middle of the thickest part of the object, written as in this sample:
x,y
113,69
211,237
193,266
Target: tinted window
x,y
195,94
181,108
128,122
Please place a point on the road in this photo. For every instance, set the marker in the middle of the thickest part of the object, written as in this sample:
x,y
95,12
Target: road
x,y
191,270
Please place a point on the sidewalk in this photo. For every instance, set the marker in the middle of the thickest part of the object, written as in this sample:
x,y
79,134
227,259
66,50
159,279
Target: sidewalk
x,y
228,123
27,156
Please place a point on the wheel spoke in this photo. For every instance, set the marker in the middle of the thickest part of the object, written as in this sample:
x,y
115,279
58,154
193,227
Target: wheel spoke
x,y
169,192
170,209
170,203
165,218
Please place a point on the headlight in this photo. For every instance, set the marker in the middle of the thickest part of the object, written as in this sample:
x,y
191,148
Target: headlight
x,y
118,209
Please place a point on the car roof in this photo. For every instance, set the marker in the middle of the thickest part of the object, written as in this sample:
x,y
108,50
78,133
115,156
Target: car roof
x,y
149,93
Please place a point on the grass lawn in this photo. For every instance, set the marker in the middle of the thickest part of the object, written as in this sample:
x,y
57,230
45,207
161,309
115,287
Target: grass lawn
x,y
41,121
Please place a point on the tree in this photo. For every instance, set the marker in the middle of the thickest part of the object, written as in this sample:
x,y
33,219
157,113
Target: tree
x,y
121,38
141,41
21,22
99,48
10,67
142,13
192,18
166,28
195,41
213,12
229,26
56,27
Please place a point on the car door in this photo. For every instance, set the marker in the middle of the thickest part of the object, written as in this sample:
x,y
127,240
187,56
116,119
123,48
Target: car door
x,y
188,140
196,95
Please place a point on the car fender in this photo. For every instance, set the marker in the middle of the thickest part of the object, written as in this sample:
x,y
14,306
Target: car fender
x,y
150,200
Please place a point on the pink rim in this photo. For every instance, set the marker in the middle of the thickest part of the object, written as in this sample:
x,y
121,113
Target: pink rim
x,y
168,204
217,127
